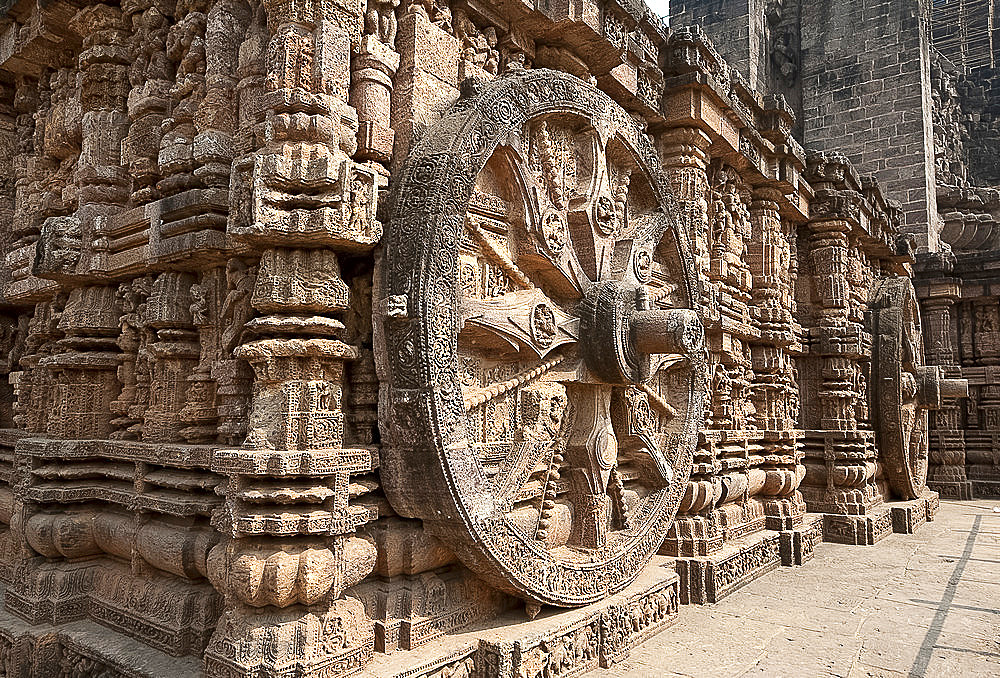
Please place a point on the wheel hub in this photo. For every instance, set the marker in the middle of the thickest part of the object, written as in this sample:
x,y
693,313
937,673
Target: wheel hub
x,y
620,334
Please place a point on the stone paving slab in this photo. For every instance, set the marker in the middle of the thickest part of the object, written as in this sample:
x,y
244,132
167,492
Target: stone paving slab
x,y
925,604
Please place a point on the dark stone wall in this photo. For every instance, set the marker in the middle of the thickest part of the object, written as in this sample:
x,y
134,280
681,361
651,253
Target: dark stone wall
x,y
759,38
857,76
966,32
866,93
950,129
966,124
737,29
980,96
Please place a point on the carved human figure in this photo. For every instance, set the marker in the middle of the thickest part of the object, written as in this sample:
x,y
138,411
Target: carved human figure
x,y
380,20
236,310
478,46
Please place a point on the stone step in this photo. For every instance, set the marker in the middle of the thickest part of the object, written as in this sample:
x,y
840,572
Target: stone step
x,y
556,642
83,648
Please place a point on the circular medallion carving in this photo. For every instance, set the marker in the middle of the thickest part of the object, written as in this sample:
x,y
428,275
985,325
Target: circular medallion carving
x,y
543,325
544,372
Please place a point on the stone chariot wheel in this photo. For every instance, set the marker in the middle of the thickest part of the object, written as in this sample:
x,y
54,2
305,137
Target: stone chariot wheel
x,y
544,372
904,387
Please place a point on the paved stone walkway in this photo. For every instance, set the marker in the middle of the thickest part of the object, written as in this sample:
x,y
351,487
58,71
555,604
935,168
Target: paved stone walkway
x,y
926,604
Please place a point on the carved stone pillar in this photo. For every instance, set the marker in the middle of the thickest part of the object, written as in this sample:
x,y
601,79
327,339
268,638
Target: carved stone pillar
x,y
982,337
84,365
173,351
770,263
684,153
937,313
840,458
23,235
200,412
373,68
289,501
769,259
296,428
830,257
215,121
103,182
48,131
149,99
186,50
722,519
947,455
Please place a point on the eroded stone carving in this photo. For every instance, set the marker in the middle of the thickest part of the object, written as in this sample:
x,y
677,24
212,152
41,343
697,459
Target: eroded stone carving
x,y
905,388
617,310
552,258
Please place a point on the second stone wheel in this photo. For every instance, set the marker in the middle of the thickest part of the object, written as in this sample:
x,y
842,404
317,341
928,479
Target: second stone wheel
x,y
545,372
905,388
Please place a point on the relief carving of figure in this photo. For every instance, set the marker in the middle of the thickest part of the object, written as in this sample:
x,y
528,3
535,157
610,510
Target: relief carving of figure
x,y
236,310
436,11
186,48
478,46
59,246
380,20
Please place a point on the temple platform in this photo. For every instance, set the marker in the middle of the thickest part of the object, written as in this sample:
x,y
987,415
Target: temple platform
x,y
923,604
555,643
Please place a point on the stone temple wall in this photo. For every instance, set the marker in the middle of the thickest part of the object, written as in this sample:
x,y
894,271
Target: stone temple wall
x,y
959,287
432,339
960,185
967,32
966,124
856,75
865,70
980,92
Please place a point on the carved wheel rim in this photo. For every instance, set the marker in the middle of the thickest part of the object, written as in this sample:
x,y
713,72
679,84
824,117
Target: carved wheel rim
x,y
899,352
533,279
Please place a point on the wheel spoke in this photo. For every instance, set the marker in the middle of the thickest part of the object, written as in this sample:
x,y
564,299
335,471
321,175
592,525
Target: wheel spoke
x,y
481,396
525,319
592,452
494,253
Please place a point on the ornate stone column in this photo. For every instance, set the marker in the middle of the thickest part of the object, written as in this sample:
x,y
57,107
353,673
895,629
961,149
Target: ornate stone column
x,y
200,413
71,246
981,341
215,121
719,535
841,462
186,49
290,507
373,68
173,355
84,365
947,456
840,456
770,262
149,99
684,153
